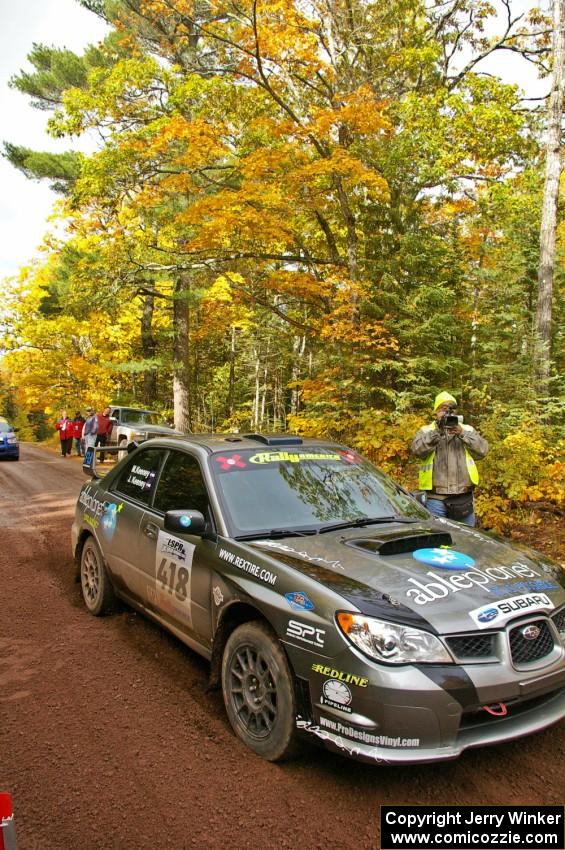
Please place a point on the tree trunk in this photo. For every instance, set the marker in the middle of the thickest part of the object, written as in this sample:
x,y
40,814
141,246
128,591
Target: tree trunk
x,y
548,229
148,350
255,415
181,351
231,385
298,348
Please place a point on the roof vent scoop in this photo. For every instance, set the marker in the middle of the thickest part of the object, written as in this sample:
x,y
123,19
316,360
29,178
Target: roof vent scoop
x,y
275,439
401,545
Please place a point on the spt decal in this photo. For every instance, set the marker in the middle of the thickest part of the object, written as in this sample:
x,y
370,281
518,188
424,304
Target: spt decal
x,y
446,559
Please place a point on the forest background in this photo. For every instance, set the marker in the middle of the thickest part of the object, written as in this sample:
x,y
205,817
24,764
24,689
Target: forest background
x,y
300,214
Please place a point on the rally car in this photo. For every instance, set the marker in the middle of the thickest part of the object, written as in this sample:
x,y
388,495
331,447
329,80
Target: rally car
x,y
9,445
329,602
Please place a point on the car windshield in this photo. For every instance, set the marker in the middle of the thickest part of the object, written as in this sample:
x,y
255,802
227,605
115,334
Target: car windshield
x,y
145,417
5,428
304,489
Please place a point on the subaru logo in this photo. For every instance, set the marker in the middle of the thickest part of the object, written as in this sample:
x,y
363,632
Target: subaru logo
x,y
530,632
487,615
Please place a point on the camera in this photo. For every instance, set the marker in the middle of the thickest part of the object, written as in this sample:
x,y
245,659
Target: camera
x,y
450,420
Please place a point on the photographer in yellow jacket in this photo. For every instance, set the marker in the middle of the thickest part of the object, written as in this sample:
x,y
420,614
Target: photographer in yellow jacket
x,y
448,472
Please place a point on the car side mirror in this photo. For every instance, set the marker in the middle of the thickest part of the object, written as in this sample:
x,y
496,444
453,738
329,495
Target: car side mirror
x,y
185,522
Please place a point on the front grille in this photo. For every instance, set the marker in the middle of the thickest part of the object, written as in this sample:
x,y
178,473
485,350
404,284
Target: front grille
x,y
559,620
472,646
523,650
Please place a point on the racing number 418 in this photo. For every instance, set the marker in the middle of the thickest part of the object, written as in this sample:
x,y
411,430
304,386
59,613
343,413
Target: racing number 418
x,y
173,578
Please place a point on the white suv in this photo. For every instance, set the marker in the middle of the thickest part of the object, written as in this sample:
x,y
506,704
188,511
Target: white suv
x,y
132,424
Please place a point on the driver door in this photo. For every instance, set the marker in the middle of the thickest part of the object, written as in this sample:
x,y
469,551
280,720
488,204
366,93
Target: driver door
x,y
177,567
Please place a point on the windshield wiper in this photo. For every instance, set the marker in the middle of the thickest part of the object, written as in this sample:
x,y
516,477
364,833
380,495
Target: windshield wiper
x,y
275,533
359,523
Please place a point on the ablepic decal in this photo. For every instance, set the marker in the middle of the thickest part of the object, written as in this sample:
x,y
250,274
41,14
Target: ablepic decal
x,y
173,570
442,586
443,557
498,613
99,514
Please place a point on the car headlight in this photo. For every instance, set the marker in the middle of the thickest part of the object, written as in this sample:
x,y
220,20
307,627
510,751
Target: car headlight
x,y
390,642
12,438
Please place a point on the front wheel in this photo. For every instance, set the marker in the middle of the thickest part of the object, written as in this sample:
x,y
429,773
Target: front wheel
x,y
259,693
97,590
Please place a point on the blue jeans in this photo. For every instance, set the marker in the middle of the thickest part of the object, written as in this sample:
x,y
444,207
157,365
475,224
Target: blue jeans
x,y
437,508
78,446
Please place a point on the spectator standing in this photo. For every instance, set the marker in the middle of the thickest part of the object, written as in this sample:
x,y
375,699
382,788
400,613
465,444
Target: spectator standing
x,y
448,472
90,429
65,428
105,426
78,425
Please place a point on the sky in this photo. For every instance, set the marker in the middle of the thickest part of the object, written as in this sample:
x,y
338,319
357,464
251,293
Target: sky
x,y
25,204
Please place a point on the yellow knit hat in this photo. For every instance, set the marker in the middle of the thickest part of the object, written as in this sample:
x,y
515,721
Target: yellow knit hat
x,y
443,398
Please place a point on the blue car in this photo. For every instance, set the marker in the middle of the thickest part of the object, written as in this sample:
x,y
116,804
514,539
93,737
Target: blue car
x,y
9,446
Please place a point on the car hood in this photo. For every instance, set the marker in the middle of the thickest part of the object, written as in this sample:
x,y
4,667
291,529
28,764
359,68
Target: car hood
x,y
376,569
151,429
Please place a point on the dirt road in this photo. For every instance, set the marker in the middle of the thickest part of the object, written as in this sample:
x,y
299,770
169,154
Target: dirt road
x,y
109,739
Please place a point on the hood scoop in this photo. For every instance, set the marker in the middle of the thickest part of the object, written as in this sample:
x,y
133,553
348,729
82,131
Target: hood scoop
x,y
400,545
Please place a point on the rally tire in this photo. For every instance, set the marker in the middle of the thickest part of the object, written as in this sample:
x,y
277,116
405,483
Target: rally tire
x,y
258,691
97,591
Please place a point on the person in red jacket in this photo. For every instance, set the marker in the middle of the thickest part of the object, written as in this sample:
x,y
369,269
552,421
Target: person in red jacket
x,y
65,428
78,425
105,426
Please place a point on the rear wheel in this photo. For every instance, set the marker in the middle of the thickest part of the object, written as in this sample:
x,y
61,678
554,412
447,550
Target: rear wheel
x,y
258,692
97,590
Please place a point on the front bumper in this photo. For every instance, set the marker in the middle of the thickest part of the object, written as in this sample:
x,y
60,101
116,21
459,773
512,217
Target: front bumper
x,y
495,731
423,713
9,450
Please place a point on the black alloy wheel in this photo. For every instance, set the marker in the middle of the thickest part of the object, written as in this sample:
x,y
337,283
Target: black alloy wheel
x,y
258,691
